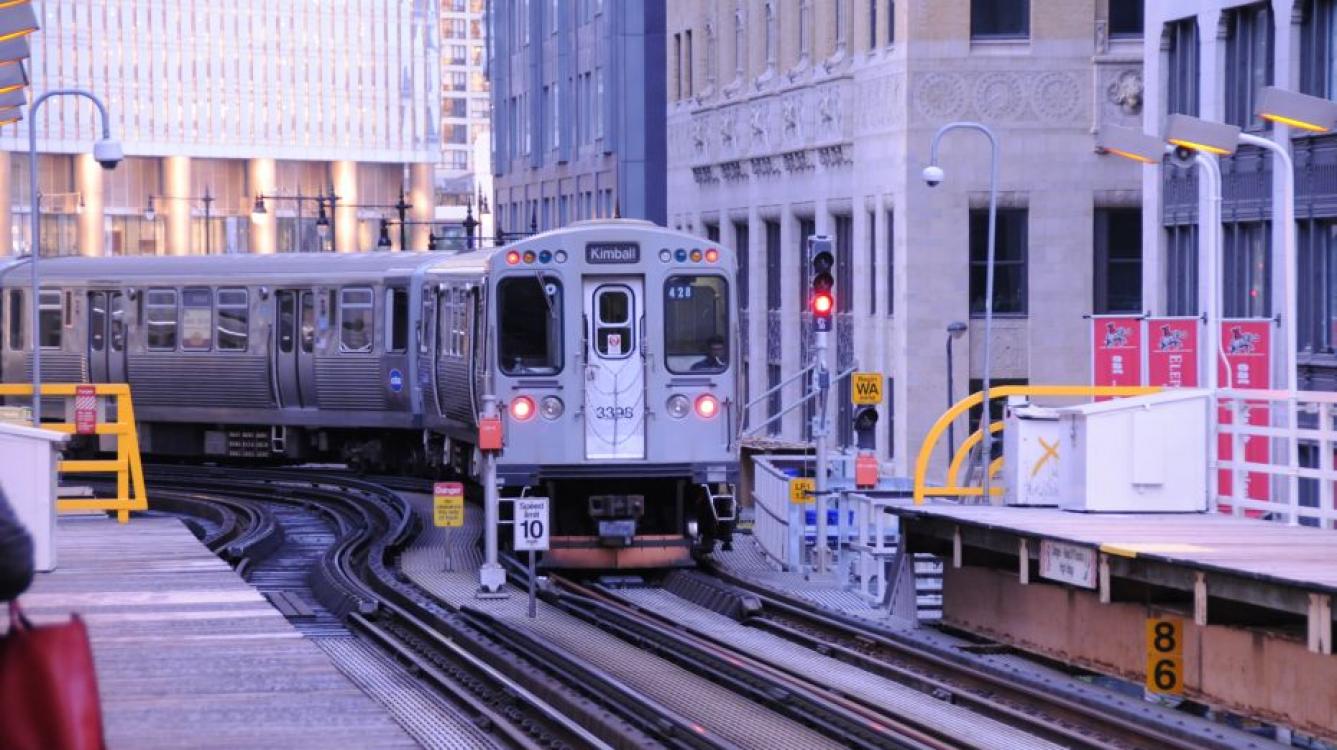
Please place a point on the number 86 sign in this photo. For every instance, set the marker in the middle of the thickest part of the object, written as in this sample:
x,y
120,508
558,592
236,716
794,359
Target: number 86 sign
x,y
1165,655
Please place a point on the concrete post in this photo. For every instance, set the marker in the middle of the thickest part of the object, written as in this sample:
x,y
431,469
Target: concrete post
x,y
260,177
89,177
176,187
344,176
424,204
6,207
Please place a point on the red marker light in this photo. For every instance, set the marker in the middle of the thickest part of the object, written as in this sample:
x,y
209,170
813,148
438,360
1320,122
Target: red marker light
x,y
712,255
522,408
707,406
530,256
822,303
512,258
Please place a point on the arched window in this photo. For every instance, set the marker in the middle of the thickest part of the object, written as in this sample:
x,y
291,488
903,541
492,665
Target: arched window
x,y
739,42
805,30
770,35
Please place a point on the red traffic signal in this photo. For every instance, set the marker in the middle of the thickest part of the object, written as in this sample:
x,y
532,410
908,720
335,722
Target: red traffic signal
x,y
823,303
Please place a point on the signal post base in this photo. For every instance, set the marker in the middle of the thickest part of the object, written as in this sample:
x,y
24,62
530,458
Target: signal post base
x,y
491,582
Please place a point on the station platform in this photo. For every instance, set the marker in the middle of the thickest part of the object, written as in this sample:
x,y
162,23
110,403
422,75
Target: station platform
x,y
1253,597
188,654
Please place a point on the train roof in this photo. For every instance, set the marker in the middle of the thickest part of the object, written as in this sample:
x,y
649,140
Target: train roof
x,y
282,264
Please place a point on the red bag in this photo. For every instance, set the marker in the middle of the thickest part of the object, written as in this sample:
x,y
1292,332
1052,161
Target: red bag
x,y
48,687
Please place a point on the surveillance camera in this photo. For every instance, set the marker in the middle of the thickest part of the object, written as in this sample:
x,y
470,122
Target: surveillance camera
x,y
1183,156
933,175
108,153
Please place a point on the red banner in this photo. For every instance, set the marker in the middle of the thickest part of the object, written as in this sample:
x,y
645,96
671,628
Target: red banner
x,y
1172,354
85,409
1116,347
1248,354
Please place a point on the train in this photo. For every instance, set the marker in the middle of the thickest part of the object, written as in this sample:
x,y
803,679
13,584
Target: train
x,y
609,347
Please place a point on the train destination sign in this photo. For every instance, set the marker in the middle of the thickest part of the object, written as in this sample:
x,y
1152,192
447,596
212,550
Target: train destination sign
x,y
613,252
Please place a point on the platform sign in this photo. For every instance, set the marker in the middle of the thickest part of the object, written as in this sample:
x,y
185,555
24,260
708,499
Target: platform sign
x,y
1068,563
85,409
1172,354
531,523
866,388
1165,655
448,504
1248,365
1116,350
801,489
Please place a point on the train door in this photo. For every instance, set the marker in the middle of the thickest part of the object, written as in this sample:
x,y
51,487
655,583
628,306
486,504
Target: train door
x,y
294,347
615,368
106,337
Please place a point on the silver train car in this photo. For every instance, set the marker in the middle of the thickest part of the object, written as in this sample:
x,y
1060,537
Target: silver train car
x,y
608,345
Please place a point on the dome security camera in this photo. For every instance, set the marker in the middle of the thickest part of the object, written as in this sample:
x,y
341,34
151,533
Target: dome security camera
x,y
933,175
108,153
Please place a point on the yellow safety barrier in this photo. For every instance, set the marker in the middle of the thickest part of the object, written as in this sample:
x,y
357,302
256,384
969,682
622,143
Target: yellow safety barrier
x,y
952,488
127,467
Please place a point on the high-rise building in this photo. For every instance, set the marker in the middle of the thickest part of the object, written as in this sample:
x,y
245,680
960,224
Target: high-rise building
x,y
463,175
1211,61
221,106
578,111
789,118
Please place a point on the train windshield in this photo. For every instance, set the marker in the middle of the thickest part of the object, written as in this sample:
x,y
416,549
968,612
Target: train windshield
x,y
529,316
696,323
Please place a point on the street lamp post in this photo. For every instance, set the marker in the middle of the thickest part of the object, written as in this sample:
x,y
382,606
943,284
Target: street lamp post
x,y
933,175
108,153
954,331
322,220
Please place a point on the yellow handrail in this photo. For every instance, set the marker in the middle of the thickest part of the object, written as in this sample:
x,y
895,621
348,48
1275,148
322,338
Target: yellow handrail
x,y
127,466
921,490
954,470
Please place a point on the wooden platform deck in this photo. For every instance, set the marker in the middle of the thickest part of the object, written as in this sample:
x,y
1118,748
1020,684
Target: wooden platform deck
x,y
189,655
1266,551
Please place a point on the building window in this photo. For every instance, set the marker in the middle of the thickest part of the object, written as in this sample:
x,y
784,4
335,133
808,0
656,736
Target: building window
x,y
1181,91
891,417
739,44
774,298
1246,270
687,62
995,406
807,228
891,23
742,239
1126,18
1118,260
771,32
712,231
805,30
872,24
1318,49
1000,19
1009,282
890,243
1248,63
677,66
844,226
872,262
1318,286
774,402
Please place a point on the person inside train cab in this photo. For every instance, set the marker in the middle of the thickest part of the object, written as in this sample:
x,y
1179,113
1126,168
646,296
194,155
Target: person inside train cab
x,y
715,358
356,336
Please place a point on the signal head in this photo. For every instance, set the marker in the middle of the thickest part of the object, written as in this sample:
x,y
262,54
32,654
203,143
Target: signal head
x,y
823,303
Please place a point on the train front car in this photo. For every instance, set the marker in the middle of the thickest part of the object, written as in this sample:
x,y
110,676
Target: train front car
x,y
616,369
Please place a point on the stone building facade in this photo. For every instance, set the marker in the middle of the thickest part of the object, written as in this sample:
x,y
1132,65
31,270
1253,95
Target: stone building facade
x,y
227,102
789,117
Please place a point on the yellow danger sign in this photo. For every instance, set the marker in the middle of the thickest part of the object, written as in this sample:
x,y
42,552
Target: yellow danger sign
x,y
801,489
448,504
866,388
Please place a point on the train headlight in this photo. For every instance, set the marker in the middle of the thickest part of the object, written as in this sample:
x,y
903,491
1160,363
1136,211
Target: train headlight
x,y
559,256
712,255
678,406
666,255
551,407
522,408
707,406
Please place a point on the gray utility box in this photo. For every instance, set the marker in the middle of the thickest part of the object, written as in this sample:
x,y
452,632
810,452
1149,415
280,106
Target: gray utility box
x,y
1145,454
28,459
1031,454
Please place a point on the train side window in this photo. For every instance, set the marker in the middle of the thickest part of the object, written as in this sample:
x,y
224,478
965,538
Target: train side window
x,y
234,320
197,319
97,321
529,312
425,321
397,319
308,322
160,318
49,321
15,320
696,323
356,320
116,308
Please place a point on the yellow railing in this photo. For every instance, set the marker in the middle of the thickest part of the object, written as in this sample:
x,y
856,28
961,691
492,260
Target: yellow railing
x,y
952,486
127,467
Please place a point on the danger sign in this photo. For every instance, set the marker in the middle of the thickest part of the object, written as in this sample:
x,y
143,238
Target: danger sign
x,y
448,504
866,388
85,409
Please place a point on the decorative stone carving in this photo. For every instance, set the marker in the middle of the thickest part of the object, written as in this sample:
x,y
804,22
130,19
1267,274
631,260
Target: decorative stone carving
x,y
757,121
789,117
939,96
834,156
797,161
733,171
1125,91
1102,36
829,111
998,96
704,175
764,166
1056,97
699,137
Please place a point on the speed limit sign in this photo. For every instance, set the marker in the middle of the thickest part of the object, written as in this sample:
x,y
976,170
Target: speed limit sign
x,y
531,523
